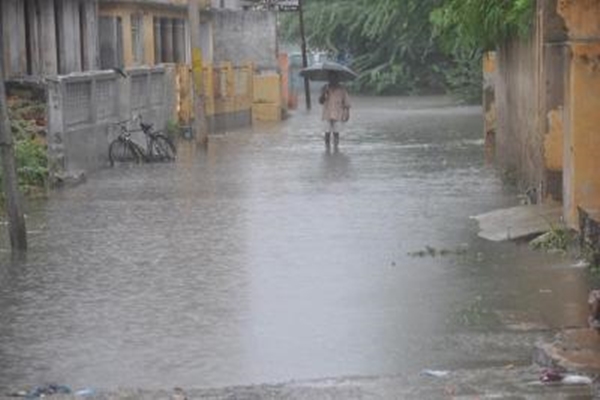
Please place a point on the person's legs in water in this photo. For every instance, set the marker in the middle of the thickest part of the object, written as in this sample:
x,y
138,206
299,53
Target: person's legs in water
x,y
336,138
330,128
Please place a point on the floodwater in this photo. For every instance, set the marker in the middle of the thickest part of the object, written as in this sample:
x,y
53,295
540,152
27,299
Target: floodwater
x,y
266,258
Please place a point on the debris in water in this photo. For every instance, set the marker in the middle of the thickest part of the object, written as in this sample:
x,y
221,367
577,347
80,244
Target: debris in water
x,y
178,394
551,375
556,376
435,373
85,392
581,264
577,380
47,390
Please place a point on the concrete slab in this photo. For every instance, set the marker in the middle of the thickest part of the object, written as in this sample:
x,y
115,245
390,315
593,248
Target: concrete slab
x,y
518,222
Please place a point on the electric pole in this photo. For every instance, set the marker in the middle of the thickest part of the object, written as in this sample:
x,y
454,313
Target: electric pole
x,y
199,126
16,219
304,55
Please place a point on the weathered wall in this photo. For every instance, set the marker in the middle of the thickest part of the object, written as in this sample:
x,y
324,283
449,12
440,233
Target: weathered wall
x,y
245,36
519,143
582,116
547,93
82,110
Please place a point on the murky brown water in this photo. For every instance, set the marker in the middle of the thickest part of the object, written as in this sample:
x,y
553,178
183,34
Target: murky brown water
x,y
267,259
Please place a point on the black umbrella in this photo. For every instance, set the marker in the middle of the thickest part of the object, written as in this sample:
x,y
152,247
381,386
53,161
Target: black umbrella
x,y
321,71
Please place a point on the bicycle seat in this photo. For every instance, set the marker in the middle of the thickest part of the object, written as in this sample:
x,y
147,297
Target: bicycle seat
x,y
146,127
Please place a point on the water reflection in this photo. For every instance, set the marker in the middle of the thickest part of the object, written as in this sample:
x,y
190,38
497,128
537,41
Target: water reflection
x,y
336,165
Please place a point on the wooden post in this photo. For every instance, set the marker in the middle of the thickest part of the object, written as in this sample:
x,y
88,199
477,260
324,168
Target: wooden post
x,y
16,219
199,115
304,56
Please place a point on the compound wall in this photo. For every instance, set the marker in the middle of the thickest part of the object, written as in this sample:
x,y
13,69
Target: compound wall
x,y
83,108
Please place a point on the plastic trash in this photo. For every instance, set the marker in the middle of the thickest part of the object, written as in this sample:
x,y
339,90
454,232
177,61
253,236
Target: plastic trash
x,y
555,376
576,380
435,373
85,392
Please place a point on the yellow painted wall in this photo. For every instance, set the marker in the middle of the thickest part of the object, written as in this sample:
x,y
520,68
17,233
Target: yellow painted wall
x,y
490,62
581,146
267,89
267,99
581,17
583,130
554,141
222,86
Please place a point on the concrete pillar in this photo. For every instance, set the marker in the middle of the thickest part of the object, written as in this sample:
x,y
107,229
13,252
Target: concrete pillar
x,y
13,34
581,181
89,35
166,30
47,40
69,36
33,46
158,57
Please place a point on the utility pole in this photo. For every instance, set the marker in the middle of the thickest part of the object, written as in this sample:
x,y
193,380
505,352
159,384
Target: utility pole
x,y
199,126
16,219
304,56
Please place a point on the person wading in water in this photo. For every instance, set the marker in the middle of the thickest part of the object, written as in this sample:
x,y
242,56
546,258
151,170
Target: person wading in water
x,y
336,108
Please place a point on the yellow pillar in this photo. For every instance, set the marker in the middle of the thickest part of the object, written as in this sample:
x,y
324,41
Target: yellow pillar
x,y
148,29
127,44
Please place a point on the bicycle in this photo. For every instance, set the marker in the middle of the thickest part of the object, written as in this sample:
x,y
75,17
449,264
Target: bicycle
x,y
123,149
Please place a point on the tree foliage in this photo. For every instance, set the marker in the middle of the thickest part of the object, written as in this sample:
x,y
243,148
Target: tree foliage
x,y
481,24
389,41
412,46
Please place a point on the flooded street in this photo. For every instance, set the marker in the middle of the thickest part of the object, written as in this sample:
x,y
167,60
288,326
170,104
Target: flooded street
x,y
267,259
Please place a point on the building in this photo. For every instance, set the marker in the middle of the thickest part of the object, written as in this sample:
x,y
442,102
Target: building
x,y
102,61
542,104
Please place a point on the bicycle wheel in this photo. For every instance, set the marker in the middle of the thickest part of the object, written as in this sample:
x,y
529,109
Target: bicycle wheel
x,y
161,148
123,151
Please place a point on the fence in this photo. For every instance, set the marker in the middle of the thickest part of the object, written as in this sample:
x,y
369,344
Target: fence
x,y
227,93
82,110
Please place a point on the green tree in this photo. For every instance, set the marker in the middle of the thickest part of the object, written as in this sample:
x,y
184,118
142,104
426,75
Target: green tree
x,y
480,24
413,46
389,41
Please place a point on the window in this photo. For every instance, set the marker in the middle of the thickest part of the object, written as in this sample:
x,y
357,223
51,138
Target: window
x,y
137,38
111,42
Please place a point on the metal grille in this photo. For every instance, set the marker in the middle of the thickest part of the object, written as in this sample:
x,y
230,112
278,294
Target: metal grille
x,y
78,103
106,99
138,92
